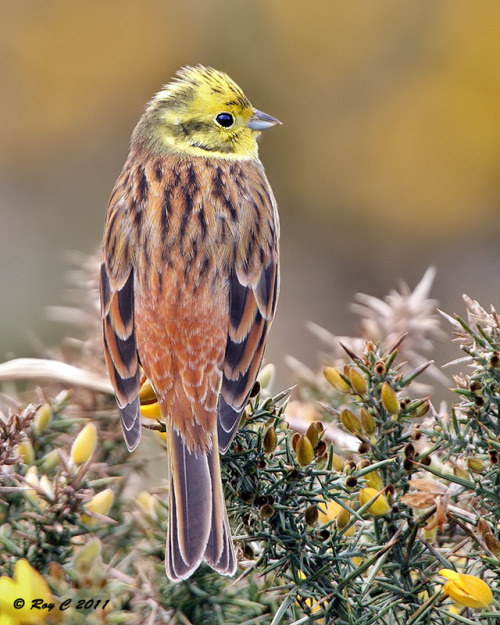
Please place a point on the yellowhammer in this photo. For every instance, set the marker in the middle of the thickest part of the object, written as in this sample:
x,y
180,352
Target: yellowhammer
x,y
189,283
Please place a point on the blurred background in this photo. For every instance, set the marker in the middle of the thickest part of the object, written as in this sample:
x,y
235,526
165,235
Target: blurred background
x,y
387,161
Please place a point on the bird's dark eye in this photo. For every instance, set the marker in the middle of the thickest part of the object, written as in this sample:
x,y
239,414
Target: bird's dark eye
x,y
226,120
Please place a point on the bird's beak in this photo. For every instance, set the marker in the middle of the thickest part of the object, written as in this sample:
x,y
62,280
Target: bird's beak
x,y
261,121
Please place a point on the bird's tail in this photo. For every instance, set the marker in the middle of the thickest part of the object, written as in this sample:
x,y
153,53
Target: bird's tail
x,y
198,524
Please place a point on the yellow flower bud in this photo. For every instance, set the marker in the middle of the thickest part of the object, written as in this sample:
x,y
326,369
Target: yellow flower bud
x,y
147,504
50,460
85,557
358,381
100,504
42,418
476,465
304,451
468,590
367,422
314,432
270,440
350,421
266,376
379,507
84,444
333,377
343,518
25,451
389,399
373,480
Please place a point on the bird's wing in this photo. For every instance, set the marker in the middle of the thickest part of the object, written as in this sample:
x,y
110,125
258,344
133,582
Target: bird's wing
x,y
253,293
117,309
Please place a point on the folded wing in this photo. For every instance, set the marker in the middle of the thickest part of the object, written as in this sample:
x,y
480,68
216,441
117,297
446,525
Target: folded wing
x,y
252,304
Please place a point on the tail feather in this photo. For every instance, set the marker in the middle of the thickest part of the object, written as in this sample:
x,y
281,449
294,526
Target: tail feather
x,y
219,553
227,563
198,524
190,508
176,567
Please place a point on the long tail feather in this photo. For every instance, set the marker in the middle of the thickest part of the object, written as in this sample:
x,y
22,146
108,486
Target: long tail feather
x,y
198,524
190,514
219,553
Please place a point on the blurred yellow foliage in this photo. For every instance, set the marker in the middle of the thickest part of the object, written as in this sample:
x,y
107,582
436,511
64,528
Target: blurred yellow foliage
x,y
390,127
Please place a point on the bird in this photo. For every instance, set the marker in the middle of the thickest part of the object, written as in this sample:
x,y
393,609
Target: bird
x,y
189,282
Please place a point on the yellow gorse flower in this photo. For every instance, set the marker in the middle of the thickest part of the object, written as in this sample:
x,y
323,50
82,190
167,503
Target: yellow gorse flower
x,y
86,555
27,585
25,451
389,399
42,418
84,444
379,507
468,590
373,480
147,504
333,377
100,504
331,511
150,407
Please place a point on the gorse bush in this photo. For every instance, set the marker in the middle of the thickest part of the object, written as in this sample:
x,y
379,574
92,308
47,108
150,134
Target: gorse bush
x,y
357,502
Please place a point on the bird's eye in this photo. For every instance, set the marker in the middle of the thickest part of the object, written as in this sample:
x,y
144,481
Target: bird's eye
x,y
226,120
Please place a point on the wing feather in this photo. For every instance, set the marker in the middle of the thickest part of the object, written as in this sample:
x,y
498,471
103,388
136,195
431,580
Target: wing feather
x,y
252,304
120,350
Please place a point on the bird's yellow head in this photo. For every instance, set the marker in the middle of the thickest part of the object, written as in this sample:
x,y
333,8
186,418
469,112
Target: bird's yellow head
x,y
202,113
